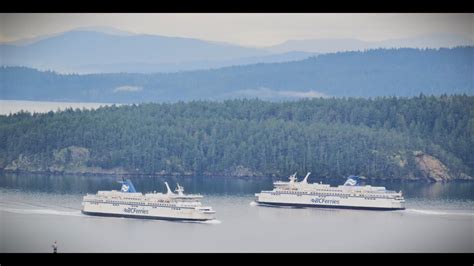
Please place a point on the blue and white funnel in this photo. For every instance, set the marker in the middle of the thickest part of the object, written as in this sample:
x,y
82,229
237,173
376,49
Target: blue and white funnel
x,y
351,180
127,186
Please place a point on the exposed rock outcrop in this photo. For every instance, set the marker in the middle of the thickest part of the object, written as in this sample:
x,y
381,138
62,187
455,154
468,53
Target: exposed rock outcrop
x,y
69,160
464,176
27,163
241,171
431,168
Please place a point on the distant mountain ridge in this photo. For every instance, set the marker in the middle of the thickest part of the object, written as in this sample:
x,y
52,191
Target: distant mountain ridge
x,y
109,50
139,67
78,48
331,45
380,72
104,50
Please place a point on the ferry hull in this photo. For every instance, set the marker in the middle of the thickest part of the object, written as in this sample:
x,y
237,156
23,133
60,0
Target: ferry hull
x,y
159,213
328,202
142,216
302,205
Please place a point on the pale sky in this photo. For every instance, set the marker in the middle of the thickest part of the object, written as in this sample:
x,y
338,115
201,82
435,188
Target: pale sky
x,y
245,29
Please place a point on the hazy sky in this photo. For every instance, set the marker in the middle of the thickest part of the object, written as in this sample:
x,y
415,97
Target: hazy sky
x,y
244,29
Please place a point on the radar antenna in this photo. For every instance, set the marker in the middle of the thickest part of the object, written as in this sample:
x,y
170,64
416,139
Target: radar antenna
x,y
179,189
293,178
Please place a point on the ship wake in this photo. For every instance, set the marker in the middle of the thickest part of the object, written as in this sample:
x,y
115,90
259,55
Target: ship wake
x,y
41,211
215,221
440,212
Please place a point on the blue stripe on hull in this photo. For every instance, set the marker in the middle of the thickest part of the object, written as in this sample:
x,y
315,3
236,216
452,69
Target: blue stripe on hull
x,y
276,204
141,216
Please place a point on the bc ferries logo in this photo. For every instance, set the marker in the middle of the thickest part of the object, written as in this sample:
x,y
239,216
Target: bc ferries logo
x,y
135,210
324,201
351,180
127,186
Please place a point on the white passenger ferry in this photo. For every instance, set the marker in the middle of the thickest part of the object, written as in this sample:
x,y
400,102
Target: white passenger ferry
x,y
350,195
130,203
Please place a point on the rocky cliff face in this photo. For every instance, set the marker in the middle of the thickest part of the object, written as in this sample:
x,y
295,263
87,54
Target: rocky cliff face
x,y
69,160
431,168
241,171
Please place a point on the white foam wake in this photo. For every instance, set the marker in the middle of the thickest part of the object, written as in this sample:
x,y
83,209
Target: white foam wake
x,y
253,203
42,211
439,212
215,221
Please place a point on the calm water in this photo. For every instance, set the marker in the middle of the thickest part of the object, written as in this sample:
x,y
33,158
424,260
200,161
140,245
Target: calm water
x,y
36,210
14,106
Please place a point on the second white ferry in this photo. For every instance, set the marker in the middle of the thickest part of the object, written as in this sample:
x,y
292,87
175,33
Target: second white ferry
x,y
130,203
350,195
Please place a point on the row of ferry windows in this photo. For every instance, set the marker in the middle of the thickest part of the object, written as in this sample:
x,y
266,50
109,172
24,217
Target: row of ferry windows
x,y
187,200
154,206
326,194
116,203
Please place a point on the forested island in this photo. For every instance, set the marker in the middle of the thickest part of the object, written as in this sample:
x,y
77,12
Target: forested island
x,y
403,72
423,137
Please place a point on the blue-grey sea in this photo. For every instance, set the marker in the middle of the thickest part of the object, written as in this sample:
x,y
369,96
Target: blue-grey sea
x,y
36,210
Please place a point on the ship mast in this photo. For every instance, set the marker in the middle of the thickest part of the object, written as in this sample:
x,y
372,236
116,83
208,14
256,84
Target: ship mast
x,y
293,178
180,190
305,180
169,192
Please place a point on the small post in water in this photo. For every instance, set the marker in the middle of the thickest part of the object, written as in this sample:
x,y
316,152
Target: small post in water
x,y
55,247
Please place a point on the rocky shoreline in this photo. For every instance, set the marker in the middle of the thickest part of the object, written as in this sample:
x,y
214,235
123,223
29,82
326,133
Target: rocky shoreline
x,y
219,175
73,161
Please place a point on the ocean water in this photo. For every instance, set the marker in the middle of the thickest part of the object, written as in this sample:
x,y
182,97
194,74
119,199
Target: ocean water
x,y
14,106
36,210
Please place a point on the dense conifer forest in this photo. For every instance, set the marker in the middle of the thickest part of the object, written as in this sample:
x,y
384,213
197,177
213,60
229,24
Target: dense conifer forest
x,y
331,137
380,72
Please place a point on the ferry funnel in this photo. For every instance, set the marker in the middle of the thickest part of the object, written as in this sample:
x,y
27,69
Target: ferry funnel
x,y
127,186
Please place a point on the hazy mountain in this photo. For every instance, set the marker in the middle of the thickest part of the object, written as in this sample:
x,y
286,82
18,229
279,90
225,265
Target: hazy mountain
x,y
67,51
346,44
137,67
381,72
109,50
106,30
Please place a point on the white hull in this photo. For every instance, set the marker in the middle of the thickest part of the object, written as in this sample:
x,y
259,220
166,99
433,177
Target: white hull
x,y
147,212
309,200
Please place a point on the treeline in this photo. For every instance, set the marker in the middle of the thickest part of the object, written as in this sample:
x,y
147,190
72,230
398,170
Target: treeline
x,y
330,137
380,72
